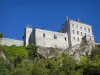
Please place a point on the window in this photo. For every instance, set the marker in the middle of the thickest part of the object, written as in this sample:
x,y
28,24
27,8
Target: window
x,y
85,33
65,38
43,35
55,37
77,32
81,28
73,25
77,26
90,39
78,39
73,32
89,30
85,29
81,33
73,38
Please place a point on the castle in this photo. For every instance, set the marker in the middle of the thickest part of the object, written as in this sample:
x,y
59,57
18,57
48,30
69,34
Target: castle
x,y
71,34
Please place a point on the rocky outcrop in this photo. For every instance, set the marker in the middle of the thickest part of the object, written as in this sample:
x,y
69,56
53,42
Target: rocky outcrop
x,y
75,52
78,51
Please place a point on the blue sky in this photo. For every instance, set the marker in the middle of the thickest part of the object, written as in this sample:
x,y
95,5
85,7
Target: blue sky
x,y
47,14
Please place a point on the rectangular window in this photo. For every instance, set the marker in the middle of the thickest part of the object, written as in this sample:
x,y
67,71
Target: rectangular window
x,y
89,30
81,33
73,38
55,37
81,28
73,32
78,32
73,25
85,29
43,35
77,26
85,33
65,38
78,39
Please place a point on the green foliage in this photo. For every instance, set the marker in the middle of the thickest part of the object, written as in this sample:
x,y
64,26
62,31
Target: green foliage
x,y
1,48
32,51
1,35
95,52
21,62
4,67
14,51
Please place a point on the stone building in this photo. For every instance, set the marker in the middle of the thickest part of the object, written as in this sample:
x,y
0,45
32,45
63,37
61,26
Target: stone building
x,y
71,34
46,38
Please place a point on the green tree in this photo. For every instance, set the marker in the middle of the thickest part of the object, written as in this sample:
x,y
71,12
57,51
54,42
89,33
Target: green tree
x,y
4,67
33,51
1,36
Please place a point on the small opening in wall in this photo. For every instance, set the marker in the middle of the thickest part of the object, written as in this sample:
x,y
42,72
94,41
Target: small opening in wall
x,y
65,38
81,33
89,30
78,32
73,32
85,29
85,33
90,39
78,39
73,38
81,28
55,37
43,35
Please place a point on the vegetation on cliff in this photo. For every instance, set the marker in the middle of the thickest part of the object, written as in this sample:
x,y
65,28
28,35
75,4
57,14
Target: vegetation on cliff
x,y
27,61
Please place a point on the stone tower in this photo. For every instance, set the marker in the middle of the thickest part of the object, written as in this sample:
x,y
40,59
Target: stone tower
x,y
27,35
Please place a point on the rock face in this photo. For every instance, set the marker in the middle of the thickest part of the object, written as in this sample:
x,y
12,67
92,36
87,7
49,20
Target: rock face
x,y
2,54
79,50
75,52
49,52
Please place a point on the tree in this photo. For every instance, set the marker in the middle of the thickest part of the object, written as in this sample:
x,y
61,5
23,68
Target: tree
x,y
4,67
33,51
1,36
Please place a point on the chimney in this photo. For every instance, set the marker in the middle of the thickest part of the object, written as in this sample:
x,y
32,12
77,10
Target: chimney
x,y
77,19
67,18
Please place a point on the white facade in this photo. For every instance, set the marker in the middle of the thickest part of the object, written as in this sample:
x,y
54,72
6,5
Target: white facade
x,y
28,31
45,38
71,34
76,31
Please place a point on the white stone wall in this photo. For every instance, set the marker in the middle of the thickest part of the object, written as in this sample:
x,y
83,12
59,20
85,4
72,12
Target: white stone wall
x,y
82,28
49,41
10,42
28,32
72,27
